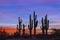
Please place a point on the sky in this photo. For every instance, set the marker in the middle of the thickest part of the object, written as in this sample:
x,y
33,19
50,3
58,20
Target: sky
x,y
10,10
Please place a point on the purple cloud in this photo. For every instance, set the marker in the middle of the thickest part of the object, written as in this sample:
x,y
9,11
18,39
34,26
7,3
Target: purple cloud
x,y
36,1
7,1
5,14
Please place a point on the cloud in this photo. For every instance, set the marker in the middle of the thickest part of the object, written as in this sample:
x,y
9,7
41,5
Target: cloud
x,y
7,24
36,1
6,14
7,1
43,1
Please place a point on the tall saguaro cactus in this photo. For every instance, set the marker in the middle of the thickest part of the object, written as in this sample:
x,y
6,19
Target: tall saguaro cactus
x,y
42,26
45,25
23,29
30,26
35,22
19,24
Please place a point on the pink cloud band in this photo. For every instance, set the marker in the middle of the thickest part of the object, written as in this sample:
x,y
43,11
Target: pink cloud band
x,y
5,14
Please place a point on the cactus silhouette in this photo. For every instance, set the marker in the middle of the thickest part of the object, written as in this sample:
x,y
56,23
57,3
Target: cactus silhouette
x,y
17,28
19,24
45,25
42,26
30,26
35,22
23,29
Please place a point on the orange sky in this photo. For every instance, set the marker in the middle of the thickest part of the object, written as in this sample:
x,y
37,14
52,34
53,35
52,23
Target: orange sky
x,y
12,30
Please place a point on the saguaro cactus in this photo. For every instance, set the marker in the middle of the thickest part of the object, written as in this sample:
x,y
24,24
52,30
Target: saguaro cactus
x,y
35,22
30,26
20,24
23,29
45,24
42,26
17,28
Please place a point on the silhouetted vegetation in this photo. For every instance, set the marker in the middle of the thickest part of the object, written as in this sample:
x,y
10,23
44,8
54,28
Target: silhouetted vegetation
x,y
35,22
32,25
19,25
23,30
3,35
